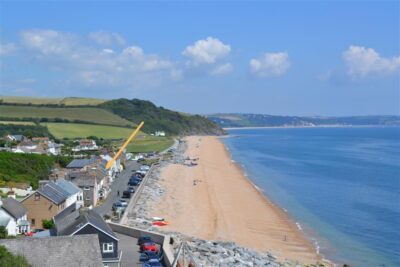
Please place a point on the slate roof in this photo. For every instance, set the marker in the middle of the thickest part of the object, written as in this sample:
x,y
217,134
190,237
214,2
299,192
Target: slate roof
x,y
85,179
18,137
59,251
68,186
54,192
80,163
14,207
69,222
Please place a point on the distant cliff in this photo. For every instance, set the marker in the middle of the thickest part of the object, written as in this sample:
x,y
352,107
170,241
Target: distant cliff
x,y
259,120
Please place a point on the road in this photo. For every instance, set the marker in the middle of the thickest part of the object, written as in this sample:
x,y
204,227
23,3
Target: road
x,y
120,184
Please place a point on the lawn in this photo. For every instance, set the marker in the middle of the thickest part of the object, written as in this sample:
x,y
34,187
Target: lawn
x,y
77,130
150,144
92,115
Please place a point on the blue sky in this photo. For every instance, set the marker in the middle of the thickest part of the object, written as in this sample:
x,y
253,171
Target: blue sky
x,y
289,58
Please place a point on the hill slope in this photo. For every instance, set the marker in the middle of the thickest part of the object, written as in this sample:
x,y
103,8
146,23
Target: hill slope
x,y
121,112
71,114
159,118
259,120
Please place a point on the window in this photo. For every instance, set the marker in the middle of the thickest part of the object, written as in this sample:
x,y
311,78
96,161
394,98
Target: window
x,y
86,188
108,247
37,196
33,221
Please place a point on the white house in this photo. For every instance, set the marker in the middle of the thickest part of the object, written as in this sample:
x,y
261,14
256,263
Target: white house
x,y
159,133
75,193
13,216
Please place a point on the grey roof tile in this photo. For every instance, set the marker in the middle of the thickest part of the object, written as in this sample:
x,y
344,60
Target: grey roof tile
x,y
59,251
14,207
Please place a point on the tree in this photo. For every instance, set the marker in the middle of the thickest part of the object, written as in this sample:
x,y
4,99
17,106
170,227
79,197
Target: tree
x,y
8,259
3,233
48,224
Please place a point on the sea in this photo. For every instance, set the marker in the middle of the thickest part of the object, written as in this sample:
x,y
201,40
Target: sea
x,y
341,185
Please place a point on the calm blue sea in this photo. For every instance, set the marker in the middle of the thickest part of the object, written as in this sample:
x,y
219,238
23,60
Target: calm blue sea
x,y
341,184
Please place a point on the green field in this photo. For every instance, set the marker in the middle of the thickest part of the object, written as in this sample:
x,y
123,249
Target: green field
x,y
92,115
150,144
77,130
68,101
17,122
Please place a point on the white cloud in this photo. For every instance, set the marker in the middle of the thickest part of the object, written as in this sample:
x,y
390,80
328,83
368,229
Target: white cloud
x,y
92,65
107,38
270,64
362,62
206,51
222,69
7,49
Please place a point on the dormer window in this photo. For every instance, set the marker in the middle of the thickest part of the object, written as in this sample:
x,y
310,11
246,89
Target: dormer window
x,y
108,247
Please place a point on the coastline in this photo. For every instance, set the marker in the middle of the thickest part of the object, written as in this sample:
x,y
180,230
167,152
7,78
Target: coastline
x,y
216,201
306,127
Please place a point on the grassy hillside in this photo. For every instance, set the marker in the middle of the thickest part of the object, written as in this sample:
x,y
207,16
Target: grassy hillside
x,y
68,101
91,115
159,118
120,112
28,168
77,130
150,144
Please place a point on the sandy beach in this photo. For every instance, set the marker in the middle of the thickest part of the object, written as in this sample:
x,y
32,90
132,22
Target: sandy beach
x,y
215,201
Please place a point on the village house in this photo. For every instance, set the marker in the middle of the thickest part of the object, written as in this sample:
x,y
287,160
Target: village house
x,y
73,222
86,181
46,202
81,164
15,138
86,145
13,216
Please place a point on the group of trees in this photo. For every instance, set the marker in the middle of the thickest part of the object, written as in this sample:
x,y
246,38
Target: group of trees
x,y
159,118
28,168
26,130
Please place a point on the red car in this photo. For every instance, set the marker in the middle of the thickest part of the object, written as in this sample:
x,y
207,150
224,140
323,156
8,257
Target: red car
x,y
149,247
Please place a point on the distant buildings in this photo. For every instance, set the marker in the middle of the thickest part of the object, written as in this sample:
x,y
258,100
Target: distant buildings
x,y
36,145
159,133
86,145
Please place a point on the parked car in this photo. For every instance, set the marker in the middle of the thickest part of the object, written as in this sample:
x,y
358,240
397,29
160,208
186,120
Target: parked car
x,y
133,182
152,263
137,176
144,168
119,205
126,194
143,173
131,189
148,255
123,202
151,246
144,239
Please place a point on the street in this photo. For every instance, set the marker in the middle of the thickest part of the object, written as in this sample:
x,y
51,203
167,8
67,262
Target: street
x,y
120,184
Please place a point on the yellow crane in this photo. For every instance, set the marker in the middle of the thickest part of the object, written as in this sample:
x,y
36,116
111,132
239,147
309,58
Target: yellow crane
x,y
131,137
